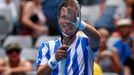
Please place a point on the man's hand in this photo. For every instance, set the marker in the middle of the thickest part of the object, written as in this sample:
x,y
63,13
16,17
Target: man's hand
x,y
61,53
71,14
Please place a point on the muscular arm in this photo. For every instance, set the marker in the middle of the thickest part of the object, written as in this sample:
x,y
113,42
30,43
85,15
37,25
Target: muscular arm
x,y
94,36
44,69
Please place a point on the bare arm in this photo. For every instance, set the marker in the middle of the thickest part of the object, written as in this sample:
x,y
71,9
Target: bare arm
x,y
26,19
27,67
126,70
94,36
116,63
26,14
1,65
71,16
44,69
2,69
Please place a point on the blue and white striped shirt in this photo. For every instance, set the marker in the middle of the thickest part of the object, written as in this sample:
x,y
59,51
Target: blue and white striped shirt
x,y
80,58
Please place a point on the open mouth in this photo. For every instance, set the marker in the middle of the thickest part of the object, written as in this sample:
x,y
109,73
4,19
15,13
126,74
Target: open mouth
x,y
64,34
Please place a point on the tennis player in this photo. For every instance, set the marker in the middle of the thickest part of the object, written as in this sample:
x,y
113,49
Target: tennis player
x,y
77,45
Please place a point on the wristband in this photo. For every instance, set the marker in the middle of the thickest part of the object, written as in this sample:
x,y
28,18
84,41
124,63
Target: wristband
x,y
52,63
80,25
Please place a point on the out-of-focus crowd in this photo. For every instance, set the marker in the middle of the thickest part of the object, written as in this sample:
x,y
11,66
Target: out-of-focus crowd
x,y
36,18
116,26
30,17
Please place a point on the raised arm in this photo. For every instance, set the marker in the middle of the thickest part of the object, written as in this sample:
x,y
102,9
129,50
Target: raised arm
x,y
93,34
89,30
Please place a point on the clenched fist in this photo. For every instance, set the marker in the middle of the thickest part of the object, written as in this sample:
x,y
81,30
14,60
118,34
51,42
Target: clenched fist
x,y
61,53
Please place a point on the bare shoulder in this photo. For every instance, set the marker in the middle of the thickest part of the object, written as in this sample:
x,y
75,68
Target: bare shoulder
x,y
24,61
29,4
28,7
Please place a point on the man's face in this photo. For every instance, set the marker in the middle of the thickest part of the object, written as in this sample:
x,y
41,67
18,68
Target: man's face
x,y
14,55
125,31
66,19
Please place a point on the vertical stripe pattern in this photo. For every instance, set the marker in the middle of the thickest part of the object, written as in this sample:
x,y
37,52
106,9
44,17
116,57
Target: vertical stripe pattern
x,y
79,58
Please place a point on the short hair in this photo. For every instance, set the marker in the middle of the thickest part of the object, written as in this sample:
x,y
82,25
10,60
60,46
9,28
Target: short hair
x,y
13,47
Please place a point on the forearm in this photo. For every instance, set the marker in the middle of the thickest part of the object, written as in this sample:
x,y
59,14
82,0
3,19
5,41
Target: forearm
x,y
89,30
116,66
47,68
44,69
93,34
126,70
21,69
2,69
116,63
29,23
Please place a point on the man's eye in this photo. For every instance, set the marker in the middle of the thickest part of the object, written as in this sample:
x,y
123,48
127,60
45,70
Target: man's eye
x,y
64,17
62,26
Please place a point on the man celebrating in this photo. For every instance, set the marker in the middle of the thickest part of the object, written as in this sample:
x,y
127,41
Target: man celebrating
x,y
75,48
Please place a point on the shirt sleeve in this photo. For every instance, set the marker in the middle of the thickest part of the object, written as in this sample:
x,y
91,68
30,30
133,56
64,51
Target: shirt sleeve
x,y
43,54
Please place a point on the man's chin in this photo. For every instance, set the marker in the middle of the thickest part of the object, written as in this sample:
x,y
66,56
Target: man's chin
x,y
65,35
